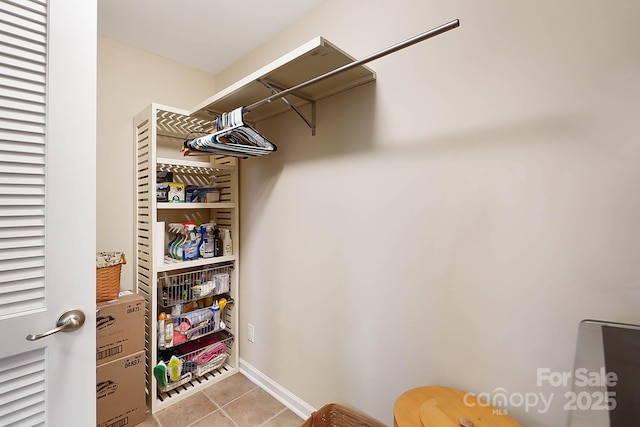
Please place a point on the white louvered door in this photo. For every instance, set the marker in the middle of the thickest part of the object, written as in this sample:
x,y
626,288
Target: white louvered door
x,y
47,210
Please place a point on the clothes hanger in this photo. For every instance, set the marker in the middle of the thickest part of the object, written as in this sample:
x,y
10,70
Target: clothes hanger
x,y
237,139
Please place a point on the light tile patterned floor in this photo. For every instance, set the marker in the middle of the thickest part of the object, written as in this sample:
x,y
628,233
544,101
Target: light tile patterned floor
x,y
233,402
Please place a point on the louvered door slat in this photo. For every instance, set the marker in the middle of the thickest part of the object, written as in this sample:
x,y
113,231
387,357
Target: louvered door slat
x,y
26,385
21,200
21,276
18,139
20,126
19,413
22,385
36,160
15,213
21,285
27,44
9,222
17,189
25,55
26,169
19,73
35,87
21,104
23,11
11,93
9,233
22,242
39,7
21,64
22,151
30,34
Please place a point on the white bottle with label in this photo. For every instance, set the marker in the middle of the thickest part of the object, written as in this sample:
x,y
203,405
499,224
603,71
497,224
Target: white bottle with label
x,y
227,244
161,331
168,331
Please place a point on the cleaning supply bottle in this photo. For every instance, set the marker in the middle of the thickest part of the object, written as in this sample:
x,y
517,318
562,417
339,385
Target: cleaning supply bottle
x,y
176,235
168,331
178,245
175,229
190,245
227,244
216,315
206,249
161,331
217,243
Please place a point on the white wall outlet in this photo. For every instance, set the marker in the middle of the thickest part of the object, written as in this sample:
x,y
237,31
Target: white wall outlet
x,y
250,332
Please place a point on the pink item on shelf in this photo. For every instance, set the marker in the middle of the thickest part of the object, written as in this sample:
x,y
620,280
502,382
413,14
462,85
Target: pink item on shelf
x,y
178,338
184,327
208,354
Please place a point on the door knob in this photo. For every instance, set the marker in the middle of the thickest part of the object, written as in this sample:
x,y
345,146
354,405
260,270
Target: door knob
x,y
69,321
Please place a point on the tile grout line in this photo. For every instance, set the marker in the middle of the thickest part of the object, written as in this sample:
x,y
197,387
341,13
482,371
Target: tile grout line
x,y
229,416
231,401
242,395
283,409
206,415
156,419
220,407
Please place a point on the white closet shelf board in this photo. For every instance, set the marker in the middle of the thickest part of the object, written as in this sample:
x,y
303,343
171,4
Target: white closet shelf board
x,y
310,60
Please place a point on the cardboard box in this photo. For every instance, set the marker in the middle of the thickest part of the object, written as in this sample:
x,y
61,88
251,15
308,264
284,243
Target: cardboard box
x,y
119,328
120,393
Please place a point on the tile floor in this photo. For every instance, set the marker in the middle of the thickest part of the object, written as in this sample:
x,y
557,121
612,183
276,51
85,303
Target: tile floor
x,y
233,402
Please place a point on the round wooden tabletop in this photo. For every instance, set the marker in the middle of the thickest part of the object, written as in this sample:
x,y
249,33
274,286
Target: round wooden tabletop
x,y
436,406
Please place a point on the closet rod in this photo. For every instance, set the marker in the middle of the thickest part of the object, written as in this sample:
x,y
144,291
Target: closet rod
x,y
413,40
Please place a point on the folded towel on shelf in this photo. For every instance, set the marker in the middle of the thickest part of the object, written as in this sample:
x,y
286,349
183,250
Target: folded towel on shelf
x,y
208,354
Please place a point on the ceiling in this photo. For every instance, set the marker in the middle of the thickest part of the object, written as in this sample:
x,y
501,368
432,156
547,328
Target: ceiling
x,y
206,34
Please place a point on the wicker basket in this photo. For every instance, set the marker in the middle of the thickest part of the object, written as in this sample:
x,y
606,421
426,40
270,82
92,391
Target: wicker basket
x,y
108,266
335,415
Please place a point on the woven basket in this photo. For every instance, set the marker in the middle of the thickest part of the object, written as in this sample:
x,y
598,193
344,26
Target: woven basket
x,y
335,415
108,275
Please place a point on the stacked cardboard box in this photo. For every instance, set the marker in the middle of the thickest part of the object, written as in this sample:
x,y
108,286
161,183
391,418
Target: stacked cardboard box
x,y
120,389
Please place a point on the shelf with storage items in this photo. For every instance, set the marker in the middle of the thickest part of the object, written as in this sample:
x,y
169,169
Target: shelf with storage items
x,y
199,302
195,361
216,205
160,131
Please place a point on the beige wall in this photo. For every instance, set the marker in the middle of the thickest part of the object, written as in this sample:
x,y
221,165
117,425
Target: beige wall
x,y
453,222
129,80
450,224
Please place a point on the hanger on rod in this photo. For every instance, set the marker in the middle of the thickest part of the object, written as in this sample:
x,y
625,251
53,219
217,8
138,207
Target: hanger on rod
x,y
233,138
236,139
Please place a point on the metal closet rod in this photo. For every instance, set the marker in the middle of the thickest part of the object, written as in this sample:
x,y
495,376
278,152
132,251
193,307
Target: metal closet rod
x,y
413,40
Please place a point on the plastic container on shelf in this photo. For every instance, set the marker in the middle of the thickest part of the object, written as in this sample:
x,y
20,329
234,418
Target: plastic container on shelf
x,y
208,195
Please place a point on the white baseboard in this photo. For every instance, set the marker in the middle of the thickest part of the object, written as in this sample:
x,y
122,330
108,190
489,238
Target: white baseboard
x,y
284,396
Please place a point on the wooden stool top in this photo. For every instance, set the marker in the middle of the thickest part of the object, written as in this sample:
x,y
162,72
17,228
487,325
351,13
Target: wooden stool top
x,y
436,406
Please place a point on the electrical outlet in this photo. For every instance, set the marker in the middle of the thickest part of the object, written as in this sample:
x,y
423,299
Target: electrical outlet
x,y
250,332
